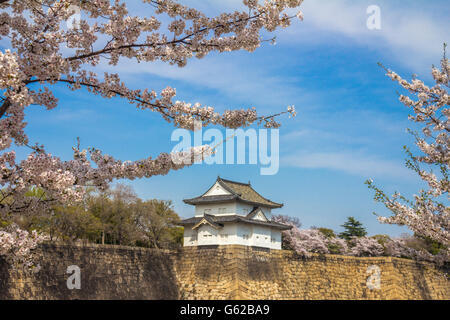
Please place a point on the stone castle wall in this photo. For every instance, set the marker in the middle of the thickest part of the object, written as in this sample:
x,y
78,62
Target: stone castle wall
x,y
227,272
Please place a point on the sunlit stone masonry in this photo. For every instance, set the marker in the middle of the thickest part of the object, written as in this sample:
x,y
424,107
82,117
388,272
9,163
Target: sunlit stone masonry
x,y
218,272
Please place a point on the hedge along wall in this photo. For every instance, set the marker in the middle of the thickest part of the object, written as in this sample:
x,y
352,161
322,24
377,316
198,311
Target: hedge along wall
x,y
225,272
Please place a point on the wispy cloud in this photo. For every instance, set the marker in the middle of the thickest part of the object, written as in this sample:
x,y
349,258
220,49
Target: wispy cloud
x,y
358,142
410,30
353,162
236,80
413,32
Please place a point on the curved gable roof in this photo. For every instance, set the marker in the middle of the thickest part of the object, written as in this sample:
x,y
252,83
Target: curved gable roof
x,y
240,191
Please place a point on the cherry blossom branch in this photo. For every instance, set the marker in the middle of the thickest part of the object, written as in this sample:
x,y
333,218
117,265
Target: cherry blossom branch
x,y
428,215
175,41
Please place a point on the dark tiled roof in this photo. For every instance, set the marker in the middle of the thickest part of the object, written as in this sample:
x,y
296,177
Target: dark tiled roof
x,y
240,191
233,218
211,199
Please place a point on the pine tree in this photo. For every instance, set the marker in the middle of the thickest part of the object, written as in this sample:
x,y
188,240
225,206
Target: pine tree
x,y
353,228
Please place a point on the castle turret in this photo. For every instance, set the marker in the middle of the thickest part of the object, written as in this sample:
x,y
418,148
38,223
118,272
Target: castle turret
x,y
231,212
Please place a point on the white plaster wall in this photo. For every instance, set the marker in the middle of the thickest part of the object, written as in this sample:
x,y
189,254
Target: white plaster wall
x,y
227,235
276,236
230,208
207,235
243,230
216,190
235,207
259,216
243,209
261,236
257,236
267,212
190,237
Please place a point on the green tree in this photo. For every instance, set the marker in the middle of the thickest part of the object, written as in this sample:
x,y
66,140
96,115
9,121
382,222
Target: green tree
x,y
328,233
114,209
176,236
156,221
353,228
432,246
335,248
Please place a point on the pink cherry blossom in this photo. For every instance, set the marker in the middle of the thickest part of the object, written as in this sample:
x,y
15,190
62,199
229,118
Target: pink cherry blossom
x,y
16,246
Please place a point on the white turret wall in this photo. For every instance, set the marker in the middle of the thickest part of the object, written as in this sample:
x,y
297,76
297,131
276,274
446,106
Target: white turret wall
x,y
233,233
238,208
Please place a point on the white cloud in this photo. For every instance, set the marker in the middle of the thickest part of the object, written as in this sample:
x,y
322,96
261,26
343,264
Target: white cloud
x,y
350,162
240,80
413,34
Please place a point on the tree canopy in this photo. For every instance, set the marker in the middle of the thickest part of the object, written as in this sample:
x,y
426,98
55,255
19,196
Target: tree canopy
x,y
353,228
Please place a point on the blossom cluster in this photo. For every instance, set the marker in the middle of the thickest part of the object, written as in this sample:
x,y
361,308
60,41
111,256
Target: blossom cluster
x,y
365,246
307,241
16,246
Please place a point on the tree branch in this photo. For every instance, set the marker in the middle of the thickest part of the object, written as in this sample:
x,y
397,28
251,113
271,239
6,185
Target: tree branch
x,y
6,104
94,86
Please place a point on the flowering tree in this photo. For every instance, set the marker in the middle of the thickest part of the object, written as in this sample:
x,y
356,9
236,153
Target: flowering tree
x,y
324,241
428,215
16,246
44,52
365,246
307,241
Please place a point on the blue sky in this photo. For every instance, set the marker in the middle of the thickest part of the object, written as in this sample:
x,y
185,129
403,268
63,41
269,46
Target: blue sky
x,y
350,125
